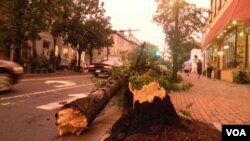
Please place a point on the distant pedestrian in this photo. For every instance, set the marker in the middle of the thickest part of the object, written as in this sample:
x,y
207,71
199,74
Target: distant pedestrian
x,y
199,68
209,69
187,67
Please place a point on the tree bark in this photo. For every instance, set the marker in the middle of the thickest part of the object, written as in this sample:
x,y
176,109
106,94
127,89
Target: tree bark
x,y
175,47
78,115
79,60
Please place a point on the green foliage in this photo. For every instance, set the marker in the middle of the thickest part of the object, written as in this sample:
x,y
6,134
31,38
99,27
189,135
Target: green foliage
x,y
186,112
242,76
24,21
124,69
168,85
82,23
88,28
44,61
138,81
121,97
186,86
97,82
151,69
35,62
148,56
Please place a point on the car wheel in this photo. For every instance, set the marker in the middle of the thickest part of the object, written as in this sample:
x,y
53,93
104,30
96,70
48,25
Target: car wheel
x,y
5,82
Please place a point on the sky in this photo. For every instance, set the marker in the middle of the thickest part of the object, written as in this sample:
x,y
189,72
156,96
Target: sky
x,y
138,14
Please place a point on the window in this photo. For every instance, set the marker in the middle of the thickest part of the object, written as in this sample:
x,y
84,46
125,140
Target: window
x,y
212,55
229,50
56,50
65,52
45,44
241,47
46,47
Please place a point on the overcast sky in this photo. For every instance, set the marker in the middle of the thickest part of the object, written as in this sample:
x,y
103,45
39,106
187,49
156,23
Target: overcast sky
x,y
138,14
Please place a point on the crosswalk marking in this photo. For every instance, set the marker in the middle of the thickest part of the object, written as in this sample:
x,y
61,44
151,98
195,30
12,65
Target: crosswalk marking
x,y
43,92
58,104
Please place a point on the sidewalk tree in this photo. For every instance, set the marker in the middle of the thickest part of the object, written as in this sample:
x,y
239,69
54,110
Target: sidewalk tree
x,y
182,22
24,20
60,13
87,28
99,34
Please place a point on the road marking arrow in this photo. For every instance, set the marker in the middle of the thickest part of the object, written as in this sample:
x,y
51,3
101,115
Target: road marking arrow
x,y
54,105
62,83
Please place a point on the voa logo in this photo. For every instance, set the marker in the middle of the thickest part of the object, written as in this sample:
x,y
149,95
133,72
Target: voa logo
x,y
236,132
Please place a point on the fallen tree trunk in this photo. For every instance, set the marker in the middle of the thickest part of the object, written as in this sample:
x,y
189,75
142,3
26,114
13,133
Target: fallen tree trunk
x,y
78,115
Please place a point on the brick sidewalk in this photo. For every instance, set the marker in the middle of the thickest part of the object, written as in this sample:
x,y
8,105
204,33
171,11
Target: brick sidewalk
x,y
214,101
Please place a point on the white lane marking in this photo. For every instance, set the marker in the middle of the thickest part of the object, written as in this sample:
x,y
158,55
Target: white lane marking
x,y
5,104
61,83
42,92
46,78
54,105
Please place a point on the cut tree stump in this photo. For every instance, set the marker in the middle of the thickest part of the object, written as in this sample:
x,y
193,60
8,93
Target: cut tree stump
x,y
151,107
78,115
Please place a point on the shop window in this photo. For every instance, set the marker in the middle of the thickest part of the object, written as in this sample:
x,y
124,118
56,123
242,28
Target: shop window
x,y
241,48
229,50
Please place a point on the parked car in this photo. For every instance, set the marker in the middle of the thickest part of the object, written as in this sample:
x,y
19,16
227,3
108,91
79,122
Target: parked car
x,y
103,67
10,73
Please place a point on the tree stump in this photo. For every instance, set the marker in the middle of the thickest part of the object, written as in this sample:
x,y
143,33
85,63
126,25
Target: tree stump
x,y
151,107
78,115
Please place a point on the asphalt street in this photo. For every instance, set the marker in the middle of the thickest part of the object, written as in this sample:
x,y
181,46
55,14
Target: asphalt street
x,y
27,111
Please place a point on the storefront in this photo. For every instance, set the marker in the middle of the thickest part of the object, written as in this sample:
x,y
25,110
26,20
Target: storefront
x,y
227,44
